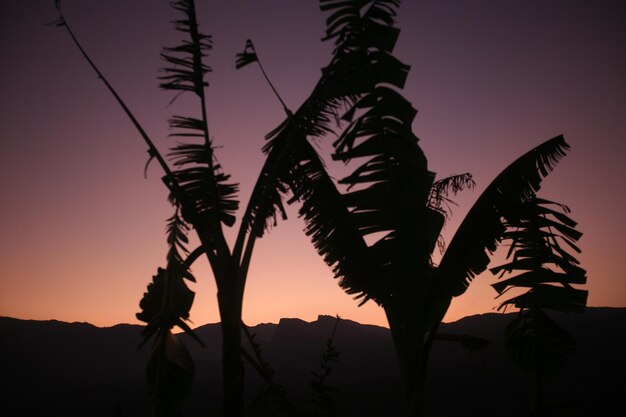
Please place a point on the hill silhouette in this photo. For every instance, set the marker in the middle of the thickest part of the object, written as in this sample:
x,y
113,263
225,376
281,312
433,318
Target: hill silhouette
x,y
52,368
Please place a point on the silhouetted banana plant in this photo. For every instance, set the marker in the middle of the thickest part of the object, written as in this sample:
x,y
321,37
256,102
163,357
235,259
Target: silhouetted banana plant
x,y
167,300
204,194
393,199
540,243
204,199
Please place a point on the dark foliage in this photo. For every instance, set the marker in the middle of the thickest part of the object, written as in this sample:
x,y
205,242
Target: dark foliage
x,y
540,241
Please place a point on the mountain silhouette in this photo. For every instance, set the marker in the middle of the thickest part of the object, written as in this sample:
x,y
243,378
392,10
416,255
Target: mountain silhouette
x,y
52,368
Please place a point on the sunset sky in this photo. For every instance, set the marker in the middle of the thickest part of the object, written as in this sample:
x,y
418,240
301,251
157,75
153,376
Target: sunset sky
x,y
83,231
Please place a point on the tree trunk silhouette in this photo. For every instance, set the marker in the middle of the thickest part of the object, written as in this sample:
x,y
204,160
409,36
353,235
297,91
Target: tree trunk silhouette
x,y
232,365
412,345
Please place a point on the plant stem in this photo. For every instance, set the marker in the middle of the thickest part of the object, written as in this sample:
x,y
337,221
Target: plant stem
x,y
287,111
152,150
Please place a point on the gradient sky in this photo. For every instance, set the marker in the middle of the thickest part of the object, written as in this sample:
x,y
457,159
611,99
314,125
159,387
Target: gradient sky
x,y
83,231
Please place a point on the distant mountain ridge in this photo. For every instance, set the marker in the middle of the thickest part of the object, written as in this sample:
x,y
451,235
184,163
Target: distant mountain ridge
x,y
52,368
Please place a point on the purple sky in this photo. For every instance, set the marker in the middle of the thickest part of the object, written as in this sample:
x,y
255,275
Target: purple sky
x,y
83,231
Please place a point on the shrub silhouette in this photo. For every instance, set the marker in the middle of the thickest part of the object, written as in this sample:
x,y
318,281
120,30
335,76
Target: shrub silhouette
x,y
273,401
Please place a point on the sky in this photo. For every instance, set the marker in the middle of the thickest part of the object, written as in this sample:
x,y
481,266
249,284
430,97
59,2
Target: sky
x,y
83,230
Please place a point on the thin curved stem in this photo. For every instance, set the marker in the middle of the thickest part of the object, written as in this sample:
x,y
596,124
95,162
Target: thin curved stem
x,y
152,150
287,110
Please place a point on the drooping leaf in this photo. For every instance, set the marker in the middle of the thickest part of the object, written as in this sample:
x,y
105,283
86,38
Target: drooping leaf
x,y
553,297
438,198
389,190
484,226
206,189
204,192
246,57
532,278
549,270
348,19
176,231
186,70
331,228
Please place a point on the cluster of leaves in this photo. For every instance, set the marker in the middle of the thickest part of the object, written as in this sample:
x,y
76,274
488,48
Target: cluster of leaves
x,y
168,299
392,195
484,226
440,201
201,188
540,262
